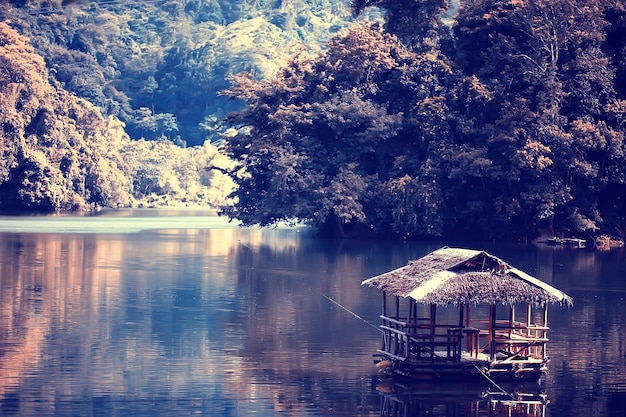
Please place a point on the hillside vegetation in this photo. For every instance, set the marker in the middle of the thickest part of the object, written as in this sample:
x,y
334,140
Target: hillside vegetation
x,y
60,153
508,124
158,65
498,119
97,73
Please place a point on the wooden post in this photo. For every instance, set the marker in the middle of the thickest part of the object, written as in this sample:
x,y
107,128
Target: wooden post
x,y
468,342
383,335
397,308
492,331
545,332
459,332
433,315
509,332
384,303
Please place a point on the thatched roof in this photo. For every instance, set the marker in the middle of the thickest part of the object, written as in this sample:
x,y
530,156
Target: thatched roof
x,y
458,276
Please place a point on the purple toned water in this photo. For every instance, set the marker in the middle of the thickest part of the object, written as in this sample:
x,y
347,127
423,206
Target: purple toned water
x,y
179,313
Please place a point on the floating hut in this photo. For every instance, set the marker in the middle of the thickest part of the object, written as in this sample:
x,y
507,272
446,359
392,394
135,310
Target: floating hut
x,y
460,312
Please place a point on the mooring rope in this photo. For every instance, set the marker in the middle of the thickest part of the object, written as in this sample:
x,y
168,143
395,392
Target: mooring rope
x,y
351,312
491,381
494,383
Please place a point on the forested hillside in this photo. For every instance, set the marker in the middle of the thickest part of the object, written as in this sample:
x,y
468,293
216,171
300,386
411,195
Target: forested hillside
x,y
507,124
53,144
59,152
499,119
157,67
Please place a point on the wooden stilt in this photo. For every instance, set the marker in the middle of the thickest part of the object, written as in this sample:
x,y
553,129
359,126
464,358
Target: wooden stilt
x,y
492,331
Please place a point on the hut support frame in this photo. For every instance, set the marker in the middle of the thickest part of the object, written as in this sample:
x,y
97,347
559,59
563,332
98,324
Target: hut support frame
x,y
425,341
459,310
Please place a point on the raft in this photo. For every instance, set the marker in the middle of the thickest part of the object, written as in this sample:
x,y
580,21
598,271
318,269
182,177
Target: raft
x,y
461,313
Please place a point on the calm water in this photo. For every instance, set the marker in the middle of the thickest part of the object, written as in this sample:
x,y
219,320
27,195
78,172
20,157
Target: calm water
x,y
179,313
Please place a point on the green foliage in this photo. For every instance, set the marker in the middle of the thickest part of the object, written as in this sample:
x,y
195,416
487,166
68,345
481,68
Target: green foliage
x,y
327,138
171,57
549,81
52,143
155,126
511,129
164,174
418,24
59,153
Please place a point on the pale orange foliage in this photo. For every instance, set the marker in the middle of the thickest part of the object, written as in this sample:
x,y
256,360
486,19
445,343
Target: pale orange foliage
x,y
51,141
534,155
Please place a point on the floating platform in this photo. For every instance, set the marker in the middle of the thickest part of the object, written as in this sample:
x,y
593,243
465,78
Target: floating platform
x,y
460,313
569,241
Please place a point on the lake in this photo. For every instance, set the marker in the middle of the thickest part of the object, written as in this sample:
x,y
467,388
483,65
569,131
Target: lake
x,y
154,312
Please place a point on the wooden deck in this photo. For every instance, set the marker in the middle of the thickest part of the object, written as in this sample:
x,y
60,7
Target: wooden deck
x,y
501,349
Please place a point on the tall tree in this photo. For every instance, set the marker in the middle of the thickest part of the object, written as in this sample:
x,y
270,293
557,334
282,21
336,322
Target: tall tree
x,y
417,23
341,141
543,64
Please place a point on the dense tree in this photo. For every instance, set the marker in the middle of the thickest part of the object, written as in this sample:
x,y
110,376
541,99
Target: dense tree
x,y
59,153
544,66
521,134
51,141
164,174
417,23
171,57
341,141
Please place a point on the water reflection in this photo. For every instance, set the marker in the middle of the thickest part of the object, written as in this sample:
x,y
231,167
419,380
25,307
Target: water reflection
x,y
481,398
225,321
229,321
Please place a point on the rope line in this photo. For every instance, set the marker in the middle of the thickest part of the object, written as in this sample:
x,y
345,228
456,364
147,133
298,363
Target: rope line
x,y
502,390
351,312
